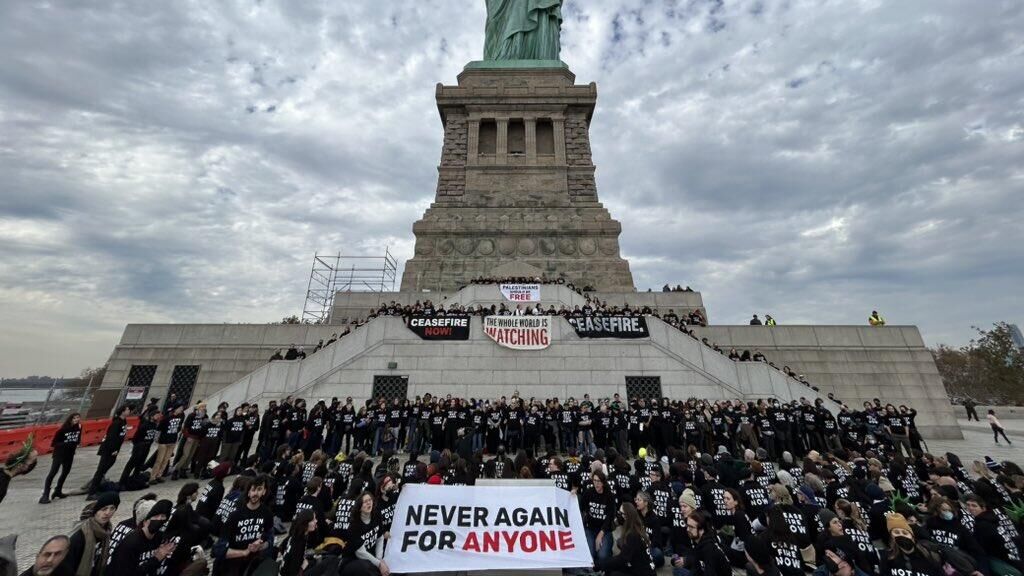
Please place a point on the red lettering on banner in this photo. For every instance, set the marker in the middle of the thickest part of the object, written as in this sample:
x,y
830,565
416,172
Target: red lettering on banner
x,y
472,543
510,540
528,542
492,542
547,541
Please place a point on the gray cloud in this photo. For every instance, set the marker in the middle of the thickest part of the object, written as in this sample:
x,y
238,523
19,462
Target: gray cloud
x,y
815,160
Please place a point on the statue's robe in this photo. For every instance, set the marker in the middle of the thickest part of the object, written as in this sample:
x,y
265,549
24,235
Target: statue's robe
x,y
523,30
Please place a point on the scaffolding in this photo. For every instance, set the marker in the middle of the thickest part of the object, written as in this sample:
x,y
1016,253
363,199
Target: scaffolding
x,y
340,273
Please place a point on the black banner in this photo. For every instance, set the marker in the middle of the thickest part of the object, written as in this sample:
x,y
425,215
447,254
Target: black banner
x,y
610,326
440,327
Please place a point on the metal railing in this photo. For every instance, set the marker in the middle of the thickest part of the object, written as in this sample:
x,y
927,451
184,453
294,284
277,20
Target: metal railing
x,y
22,406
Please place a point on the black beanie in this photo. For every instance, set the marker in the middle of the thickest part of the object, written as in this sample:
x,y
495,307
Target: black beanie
x,y
161,508
106,499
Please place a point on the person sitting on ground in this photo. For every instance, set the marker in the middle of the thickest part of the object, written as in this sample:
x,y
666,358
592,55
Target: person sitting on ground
x,y
905,555
50,558
89,548
303,529
707,559
144,550
876,319
634,558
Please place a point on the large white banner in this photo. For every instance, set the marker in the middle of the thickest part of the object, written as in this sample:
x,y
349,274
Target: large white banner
x,y
519,332
521,292
455,528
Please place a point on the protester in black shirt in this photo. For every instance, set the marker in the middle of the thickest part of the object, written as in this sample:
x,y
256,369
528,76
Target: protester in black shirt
x,y
89,550
598,505
248,535
364,540
906,557
634,557
64,444
303,528
652,523
144,550
211,494
142,441
169,428
234,430
109,448
707,559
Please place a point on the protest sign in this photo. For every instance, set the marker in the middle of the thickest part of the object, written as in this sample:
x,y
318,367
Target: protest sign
x,y
519,332
610,326
521,292
465,528
440,327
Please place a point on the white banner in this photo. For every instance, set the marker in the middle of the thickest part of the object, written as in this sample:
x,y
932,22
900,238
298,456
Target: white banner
x,y
521,292
519,332
456,528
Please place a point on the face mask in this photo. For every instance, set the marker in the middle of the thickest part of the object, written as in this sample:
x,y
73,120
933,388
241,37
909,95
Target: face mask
x,y
946,515
833,568
155,526
905,544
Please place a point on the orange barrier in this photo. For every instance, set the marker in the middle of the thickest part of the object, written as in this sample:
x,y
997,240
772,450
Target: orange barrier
x,y
92,433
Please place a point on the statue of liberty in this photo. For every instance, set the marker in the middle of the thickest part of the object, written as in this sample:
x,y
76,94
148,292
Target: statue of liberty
x,y
523,30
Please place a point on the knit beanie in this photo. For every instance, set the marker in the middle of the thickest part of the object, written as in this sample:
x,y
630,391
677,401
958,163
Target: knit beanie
x,y
161,508
689,498
894,521
142,510
106,499
826,516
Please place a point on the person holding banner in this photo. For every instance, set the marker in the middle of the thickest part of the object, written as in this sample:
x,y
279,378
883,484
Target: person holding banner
x,y
365,540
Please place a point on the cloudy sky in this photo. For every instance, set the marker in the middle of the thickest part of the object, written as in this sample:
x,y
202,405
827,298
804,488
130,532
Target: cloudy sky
x,y
182,161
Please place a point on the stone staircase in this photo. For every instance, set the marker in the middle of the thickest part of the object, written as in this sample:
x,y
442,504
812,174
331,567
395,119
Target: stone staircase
x,y
479,367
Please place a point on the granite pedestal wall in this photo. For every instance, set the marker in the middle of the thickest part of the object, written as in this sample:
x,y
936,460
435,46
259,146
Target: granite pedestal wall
x,y
516,186
856,363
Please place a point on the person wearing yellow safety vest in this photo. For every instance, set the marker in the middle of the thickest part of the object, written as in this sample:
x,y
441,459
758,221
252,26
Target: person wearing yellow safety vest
x,y
876,319
768,320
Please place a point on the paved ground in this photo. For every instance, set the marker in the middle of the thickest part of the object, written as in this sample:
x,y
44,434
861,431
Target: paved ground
x,y
20,512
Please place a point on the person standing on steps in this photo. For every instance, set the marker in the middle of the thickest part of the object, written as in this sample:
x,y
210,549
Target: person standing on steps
x,y
109,448
997,427
64,444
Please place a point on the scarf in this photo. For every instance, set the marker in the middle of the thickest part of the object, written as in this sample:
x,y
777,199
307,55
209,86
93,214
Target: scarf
x,y
93,532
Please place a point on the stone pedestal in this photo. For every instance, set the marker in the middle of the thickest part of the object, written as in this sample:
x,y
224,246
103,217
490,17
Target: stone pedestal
x,y
516,193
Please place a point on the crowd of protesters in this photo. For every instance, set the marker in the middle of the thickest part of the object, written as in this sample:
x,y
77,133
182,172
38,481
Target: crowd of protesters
x,y
697,486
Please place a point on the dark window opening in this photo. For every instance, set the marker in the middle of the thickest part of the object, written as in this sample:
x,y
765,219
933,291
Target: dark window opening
x,y
488,137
